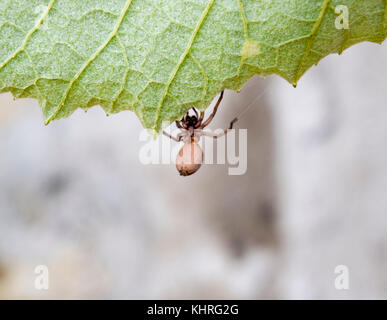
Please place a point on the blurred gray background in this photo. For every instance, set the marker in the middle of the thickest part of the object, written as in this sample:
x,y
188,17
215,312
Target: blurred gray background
x,y
75,197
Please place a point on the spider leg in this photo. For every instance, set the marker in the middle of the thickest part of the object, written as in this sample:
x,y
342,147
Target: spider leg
x,y
216,136
178,124
200,120
196,112
171,137
201,116
207,122
186,116
180,136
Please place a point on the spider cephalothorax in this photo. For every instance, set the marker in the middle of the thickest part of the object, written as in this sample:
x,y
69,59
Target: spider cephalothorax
x,y
190,156
190,121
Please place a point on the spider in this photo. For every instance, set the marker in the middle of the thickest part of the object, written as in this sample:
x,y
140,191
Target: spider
x,y
190,156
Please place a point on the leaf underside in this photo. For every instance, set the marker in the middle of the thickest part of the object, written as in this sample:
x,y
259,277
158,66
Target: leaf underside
x,y
161,57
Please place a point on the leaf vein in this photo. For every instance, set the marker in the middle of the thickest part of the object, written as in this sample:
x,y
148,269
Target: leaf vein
x,y
91,59
182,58
125,75
311,38
245,27
29,34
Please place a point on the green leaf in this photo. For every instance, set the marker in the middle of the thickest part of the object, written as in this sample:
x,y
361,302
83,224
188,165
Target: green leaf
x,y
161,57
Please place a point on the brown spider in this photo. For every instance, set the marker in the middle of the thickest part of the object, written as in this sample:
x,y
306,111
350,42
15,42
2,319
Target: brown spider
x,y
190,156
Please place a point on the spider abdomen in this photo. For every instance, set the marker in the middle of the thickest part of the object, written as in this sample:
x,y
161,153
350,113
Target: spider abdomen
x,y
189,159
